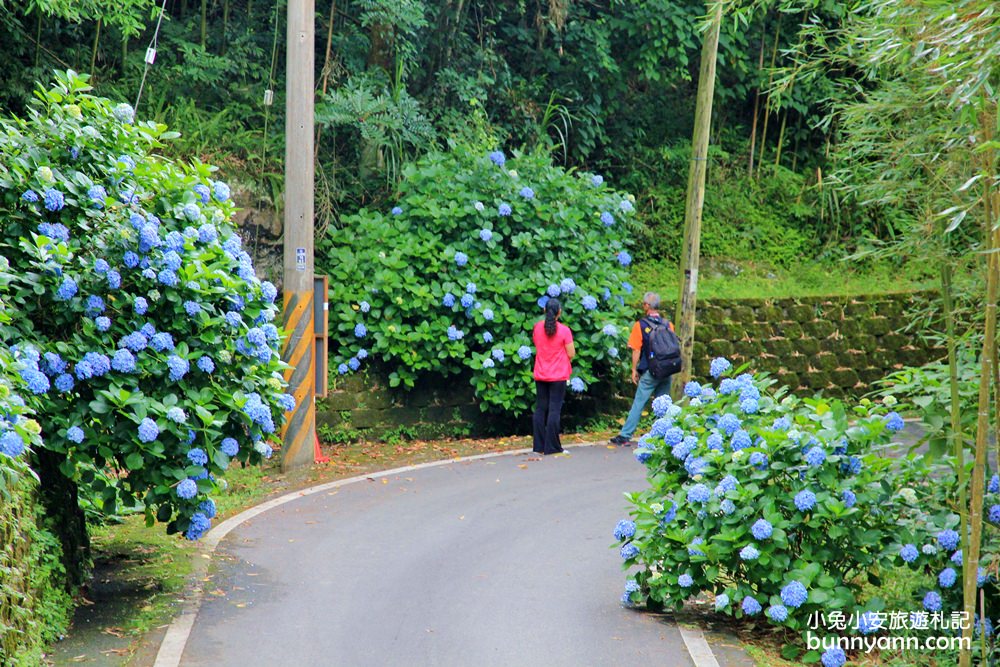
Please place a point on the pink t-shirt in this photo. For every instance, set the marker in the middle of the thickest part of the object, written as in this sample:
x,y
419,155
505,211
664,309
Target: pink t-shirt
x,y
551,360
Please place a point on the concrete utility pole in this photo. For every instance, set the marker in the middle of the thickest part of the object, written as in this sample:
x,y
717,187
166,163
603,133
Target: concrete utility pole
x,y
300,427
691,249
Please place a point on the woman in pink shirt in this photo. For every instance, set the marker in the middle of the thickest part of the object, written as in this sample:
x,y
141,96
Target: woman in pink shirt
x,y
553,351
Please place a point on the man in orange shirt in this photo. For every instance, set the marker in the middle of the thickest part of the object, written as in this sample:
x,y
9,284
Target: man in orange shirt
x,y
647,387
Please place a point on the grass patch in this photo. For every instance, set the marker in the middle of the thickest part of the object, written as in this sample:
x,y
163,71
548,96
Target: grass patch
x,y
748,280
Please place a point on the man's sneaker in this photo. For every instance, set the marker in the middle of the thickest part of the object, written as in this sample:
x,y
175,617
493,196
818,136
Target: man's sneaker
x,y
619,440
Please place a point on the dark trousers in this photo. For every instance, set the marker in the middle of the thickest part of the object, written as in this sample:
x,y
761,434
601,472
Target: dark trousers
x,y
548,408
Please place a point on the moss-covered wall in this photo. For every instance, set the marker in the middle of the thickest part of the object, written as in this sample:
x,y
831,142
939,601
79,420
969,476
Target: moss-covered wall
x,y
838,345
34,600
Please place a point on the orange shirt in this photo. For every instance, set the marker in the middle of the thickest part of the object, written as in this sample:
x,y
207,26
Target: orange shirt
x,y
636,336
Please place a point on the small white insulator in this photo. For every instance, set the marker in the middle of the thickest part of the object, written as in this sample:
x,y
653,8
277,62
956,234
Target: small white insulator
x,y
150,55
268,97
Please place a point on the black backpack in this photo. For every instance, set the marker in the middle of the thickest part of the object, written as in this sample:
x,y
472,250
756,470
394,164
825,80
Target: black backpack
x,y
663,349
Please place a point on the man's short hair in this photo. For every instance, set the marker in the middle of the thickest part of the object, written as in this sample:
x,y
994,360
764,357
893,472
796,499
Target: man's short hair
x,y
651,299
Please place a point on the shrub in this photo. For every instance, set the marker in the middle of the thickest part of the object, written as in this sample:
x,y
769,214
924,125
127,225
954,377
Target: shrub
x,y
778,505
452,279
142,333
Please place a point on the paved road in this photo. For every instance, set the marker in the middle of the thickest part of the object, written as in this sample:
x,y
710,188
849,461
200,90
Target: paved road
x,y
502,561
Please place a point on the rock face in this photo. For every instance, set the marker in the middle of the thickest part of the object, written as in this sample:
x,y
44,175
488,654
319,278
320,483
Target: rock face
x,y
261,228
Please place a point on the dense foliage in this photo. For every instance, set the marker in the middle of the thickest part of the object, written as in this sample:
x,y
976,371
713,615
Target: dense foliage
x,y
141,332
452,279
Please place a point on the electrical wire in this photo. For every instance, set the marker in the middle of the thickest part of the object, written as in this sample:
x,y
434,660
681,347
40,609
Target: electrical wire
x,y
150,55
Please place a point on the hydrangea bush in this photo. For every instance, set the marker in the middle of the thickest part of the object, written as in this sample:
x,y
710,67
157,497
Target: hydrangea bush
x,y
144,339
779,506
453,277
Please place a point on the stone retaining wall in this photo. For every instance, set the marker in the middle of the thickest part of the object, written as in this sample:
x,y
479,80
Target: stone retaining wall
x,y
837,345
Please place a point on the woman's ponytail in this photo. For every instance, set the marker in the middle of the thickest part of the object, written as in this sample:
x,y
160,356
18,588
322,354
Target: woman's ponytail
x,y
552,308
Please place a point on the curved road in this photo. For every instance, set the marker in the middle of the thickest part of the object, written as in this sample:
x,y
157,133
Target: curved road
x,y
500,561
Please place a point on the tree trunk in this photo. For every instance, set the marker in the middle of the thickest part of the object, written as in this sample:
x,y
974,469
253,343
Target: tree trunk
x,y
60,498
204,23
696,196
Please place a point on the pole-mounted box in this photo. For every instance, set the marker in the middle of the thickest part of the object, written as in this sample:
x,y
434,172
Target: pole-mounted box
x,y
321,331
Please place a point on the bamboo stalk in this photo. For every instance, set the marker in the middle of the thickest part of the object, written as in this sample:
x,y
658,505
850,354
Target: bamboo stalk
x,y
204,23
93,50
971,559
326,70
955,434
756,109
767,104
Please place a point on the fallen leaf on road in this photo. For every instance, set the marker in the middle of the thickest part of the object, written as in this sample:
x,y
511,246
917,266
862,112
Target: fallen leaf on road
x,y
522,465
461,518
610,446
217,592
78,658
114,632
385,481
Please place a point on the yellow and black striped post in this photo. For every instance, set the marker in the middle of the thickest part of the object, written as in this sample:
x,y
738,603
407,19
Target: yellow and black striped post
x,y
299,432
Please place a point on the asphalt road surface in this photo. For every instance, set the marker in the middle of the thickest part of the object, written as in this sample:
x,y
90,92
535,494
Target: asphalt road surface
x,y
504,561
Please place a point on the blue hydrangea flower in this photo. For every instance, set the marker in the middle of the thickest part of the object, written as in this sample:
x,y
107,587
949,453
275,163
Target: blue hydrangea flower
x,y
610,330
624,529
852,466
721,602
485,235
740,440
728,483
192,308
596,180
849,498
699,493
956,557
815,456
629,551
626,206
524,352
101,266
588,302
643,454
805,500
454,333
932,601
554,290
396,210
54,200
527,193
727,506
197,456
360,330
627,287
682,449
749,406
162,341
148,430
749,552
685,581
64,382
692,389
673,436
994,485
205,364
948,539
693,549
778,613
207,233
123,361
97,195
577,385
74,434
894,422
187,489
994,514
729,423
661,404
834,657
178,367
94,305
53,364
448,301
178,416
542,300
794,594
947,577
56,231
695,465
461,258
908,553
67,290
718,366
29,196
487,314
202,193
221,191
229,447
607,219
869,622
750,606
631,586
504,210
762,529
498,158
